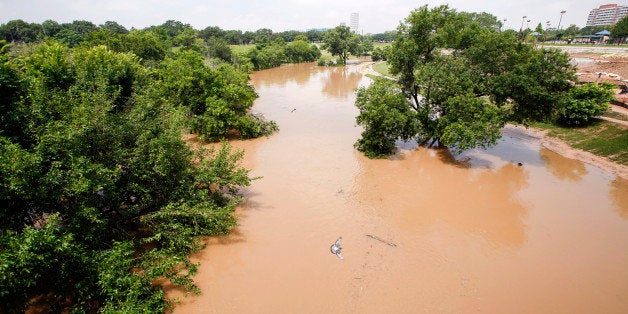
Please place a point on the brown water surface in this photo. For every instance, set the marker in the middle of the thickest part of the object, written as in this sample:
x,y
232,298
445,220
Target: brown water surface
x,y
473,232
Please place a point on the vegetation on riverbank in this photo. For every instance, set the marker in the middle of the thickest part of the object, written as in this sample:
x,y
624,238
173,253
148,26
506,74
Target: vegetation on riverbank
x,y
382,68
602,138
100,198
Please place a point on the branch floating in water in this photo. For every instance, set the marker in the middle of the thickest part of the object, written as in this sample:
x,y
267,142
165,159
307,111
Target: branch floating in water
x,y
381,240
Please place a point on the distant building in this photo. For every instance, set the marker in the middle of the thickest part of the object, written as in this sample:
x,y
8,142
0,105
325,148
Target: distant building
x,y
355,22
608,14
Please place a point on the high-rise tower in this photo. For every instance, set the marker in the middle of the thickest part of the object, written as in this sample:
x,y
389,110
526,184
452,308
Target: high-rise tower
x,y
608,14
355,21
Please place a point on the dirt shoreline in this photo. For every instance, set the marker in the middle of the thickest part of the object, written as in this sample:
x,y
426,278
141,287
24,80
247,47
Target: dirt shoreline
x,y
552,143
561,147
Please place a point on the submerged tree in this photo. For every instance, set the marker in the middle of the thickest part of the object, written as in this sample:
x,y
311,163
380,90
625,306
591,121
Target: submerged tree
x,y
341,42
463,79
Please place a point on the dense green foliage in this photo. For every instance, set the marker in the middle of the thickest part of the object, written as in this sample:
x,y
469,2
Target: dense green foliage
x,y
341,42
99,196
273,54
585,102
385,117
463,79
380,53
620,30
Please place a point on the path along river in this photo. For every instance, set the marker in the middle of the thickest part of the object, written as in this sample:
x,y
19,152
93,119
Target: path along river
x,y
474,233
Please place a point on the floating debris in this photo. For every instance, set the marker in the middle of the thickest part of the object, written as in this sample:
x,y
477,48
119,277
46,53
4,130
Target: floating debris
x,y
336,248
381,240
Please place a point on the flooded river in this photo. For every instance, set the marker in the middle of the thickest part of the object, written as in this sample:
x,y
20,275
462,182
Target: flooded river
x,y
474,232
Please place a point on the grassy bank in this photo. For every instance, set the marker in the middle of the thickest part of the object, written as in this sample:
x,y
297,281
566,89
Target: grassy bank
x,y
602,138
382,68
241,49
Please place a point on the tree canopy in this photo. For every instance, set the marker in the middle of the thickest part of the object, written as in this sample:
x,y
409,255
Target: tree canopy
x,y
620,30
462,79
341,42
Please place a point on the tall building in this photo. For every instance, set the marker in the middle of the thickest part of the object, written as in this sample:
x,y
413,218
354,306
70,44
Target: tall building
x,y
355,21
607,14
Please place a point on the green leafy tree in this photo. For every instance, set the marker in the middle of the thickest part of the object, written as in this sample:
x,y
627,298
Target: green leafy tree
x,y
20,31
81,27
114,27
216,101
585,102
235,37
211,32
99,196
341,42
186,39
69,37
50,28
267,55
569,33
219,48
105,37
385,116
380,54
620,30
461,99
146,45
300,50
366,46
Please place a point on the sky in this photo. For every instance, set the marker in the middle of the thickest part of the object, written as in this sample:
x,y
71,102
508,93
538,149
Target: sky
x,y
279,15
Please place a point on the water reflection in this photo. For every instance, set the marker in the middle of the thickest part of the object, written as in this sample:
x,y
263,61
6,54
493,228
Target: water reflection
x,y
298,73
619,194
340,82
562,167
421,190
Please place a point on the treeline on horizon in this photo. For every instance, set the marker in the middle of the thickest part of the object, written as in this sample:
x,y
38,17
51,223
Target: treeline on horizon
x,y
75,32
155,42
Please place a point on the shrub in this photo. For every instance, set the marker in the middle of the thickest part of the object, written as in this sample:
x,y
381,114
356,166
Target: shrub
x,y
585,102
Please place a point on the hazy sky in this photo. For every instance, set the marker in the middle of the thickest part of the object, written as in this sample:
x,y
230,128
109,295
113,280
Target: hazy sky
x,y
279,15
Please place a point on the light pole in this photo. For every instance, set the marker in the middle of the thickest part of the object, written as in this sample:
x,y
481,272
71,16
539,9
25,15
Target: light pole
x,y
561,18
522,20
503,24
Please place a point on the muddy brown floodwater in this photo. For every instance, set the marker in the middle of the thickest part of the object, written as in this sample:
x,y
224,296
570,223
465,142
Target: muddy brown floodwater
x,y
474,232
